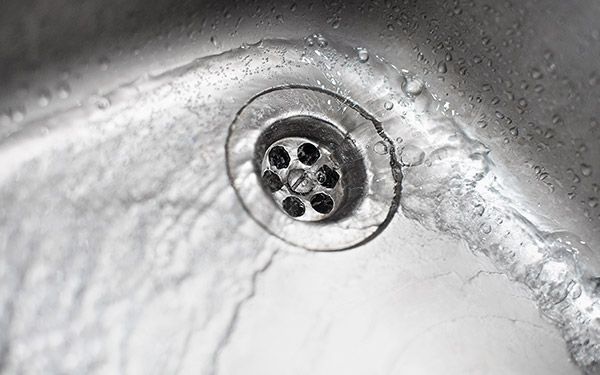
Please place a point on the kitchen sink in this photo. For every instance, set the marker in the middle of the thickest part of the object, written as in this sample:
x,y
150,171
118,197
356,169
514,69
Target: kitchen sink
x,y
325,187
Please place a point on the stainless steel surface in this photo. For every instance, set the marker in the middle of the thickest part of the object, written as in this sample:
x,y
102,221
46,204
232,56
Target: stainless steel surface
x,y
125,249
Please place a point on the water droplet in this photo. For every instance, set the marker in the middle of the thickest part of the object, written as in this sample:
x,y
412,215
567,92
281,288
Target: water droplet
x,y
485,40
380,148
538,88
479,209
593,202
214,41
586,170
442,68
388,106
514,131
322,42
556,119
44,98
536,73
412,86
104,62
594,79
523,102
63,89
448,56
363,54
310,41
17,115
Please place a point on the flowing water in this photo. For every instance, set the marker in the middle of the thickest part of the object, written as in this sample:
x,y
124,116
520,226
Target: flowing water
x,y
137,177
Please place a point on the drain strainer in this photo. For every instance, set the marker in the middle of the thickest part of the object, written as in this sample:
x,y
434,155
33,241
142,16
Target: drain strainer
x,y
302,162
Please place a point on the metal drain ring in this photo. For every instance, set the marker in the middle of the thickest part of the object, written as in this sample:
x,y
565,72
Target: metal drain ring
x,y
371,181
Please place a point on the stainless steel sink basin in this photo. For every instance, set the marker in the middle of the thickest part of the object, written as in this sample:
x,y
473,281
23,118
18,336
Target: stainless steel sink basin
x,y
143,227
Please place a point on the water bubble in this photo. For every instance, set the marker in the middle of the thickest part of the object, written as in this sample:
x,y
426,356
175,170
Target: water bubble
x,y
101,102
412,86
399,140
310,41
388,106
412,155
485,228
380,148
363,54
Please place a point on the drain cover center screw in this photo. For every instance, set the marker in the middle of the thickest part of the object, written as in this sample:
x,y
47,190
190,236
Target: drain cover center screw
x,y
300,181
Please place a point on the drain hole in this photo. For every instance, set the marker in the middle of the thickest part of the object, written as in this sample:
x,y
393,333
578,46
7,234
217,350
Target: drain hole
x,y
293,206
308,154
322,203
279,157
327,177
272,181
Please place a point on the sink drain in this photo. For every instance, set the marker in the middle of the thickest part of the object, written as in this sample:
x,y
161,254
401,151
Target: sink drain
x,y
302,163
303,176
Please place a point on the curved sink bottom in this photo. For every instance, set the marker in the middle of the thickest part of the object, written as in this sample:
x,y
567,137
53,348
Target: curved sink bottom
x,y
134,254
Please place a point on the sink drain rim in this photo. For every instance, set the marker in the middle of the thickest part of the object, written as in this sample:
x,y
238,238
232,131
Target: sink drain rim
x,y
314,235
